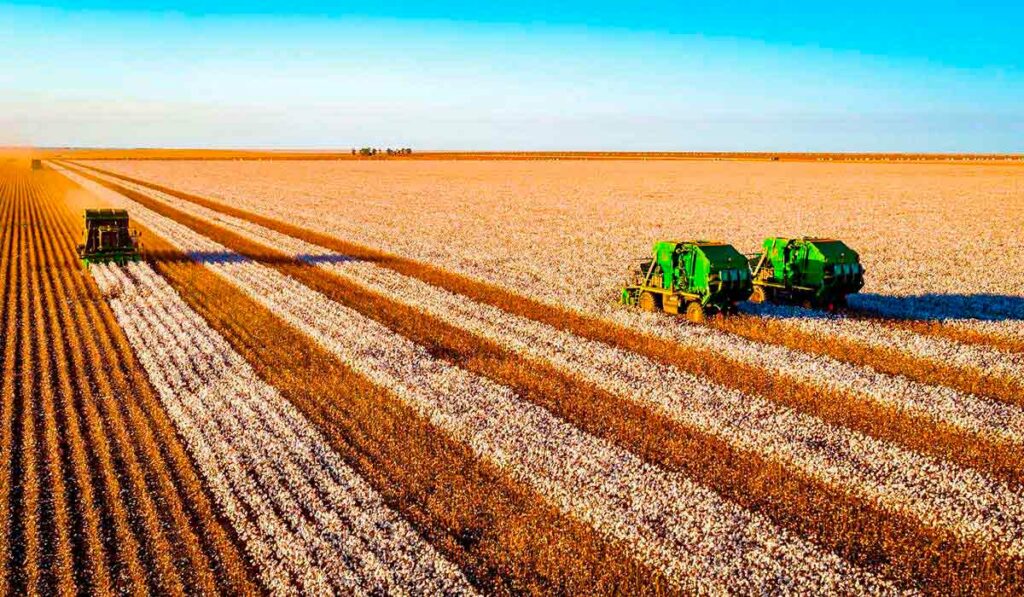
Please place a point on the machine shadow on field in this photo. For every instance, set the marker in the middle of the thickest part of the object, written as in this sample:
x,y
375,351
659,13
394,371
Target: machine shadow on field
x,y
938,307
924,307
214,257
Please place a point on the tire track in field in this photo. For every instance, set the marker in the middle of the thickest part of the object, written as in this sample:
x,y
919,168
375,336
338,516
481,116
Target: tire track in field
x,y
912,483
929,419
508,431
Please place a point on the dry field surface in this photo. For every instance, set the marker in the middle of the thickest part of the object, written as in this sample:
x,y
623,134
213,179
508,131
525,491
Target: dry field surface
x,y
411,377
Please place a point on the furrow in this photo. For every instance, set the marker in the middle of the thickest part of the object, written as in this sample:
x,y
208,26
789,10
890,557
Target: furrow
x,y
59,519
9,209
99,565
29,521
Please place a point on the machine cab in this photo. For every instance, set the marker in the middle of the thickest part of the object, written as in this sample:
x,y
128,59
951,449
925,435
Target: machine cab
x,y
107,237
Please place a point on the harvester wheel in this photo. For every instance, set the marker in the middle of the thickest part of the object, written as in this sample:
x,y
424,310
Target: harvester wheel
x,y
647,302
759,295
695,313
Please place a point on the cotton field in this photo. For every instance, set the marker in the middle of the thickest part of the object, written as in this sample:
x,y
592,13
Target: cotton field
x,y
374,377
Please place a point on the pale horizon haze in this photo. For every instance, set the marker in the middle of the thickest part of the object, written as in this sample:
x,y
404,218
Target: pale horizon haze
x,y
936,77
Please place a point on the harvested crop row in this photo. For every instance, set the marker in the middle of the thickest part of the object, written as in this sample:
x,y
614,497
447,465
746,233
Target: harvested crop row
x,y
96,527
9,216
63,564
980,370
9,267
934,420
325,525
565,204
579,473
908,484
201,533
28,526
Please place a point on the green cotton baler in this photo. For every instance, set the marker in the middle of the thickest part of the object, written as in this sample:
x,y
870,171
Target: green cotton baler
x,y
812,272
691,277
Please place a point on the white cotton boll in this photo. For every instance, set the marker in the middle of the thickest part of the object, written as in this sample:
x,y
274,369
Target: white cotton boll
x,y
661,518
835,455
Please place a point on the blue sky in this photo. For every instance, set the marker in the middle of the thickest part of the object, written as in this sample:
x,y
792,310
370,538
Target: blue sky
x,y
896,76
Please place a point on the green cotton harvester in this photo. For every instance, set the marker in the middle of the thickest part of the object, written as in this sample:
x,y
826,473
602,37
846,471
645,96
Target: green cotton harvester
x,y
107,238
691,277
811,272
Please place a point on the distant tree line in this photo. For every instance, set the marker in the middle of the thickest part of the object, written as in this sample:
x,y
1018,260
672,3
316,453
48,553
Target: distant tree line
x,y
371,151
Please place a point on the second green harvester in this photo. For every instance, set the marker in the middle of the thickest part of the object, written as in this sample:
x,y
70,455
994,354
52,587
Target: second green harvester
x,y
691,277
811,272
